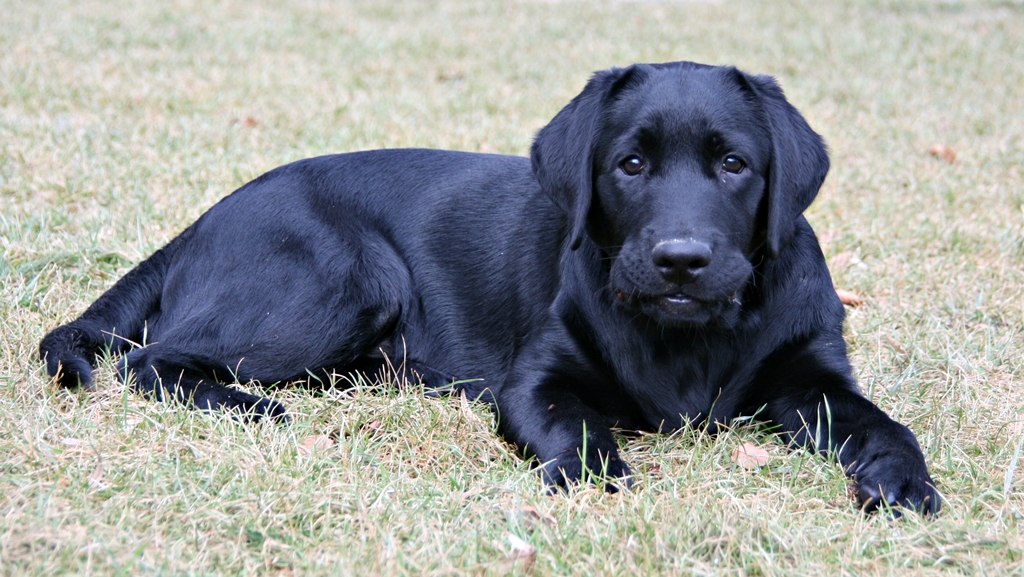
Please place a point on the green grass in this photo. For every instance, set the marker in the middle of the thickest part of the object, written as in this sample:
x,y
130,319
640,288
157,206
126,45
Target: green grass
x,y
122,121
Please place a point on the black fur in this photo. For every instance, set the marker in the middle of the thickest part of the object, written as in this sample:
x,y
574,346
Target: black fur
x,y
596,290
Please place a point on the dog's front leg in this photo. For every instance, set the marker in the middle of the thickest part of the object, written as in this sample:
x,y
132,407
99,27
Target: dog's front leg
x,y
540,412
806,390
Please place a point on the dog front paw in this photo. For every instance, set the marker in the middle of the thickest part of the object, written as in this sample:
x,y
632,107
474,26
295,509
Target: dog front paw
x,y
896,479
602,468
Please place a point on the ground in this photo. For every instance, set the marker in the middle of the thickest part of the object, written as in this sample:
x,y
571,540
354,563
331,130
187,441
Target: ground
x,y
121,121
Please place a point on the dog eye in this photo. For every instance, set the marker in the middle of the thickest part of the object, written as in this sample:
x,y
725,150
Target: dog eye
x,y
632,165
733,164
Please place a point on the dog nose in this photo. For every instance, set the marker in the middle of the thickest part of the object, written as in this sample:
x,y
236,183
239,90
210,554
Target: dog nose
x,y
681,261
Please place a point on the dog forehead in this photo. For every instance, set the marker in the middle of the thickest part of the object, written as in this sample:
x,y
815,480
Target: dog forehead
x,y
689,102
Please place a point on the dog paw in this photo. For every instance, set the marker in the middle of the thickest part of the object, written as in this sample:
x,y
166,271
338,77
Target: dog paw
x,y
73,373
243,406
896,479
269,409
602,468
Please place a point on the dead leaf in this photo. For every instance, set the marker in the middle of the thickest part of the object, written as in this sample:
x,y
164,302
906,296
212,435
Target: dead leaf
x,y
532,516
895,346
848,298
96,479
450,76
467,410
654,472
273,545
943,152
750,456
248,122
464,498
315,443
522,552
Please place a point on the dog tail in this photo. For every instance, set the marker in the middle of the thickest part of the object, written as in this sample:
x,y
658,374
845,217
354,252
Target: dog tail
x,y
113,323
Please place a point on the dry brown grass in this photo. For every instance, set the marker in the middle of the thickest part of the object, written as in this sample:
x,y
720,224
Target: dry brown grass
x,y
120,122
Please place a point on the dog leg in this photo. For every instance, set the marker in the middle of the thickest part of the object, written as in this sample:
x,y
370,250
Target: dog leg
x,y
816,404
571,441
160,372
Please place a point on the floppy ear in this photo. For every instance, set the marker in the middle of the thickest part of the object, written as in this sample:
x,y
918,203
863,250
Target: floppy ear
x,y
799,163
562,154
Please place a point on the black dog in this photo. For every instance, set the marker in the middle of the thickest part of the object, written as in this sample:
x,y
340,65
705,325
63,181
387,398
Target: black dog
x,y
653,269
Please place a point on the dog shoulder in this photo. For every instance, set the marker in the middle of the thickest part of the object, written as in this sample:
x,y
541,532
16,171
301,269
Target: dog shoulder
x,y
799,298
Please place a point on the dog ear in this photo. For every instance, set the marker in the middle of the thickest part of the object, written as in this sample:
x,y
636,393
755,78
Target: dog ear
x,y
562,154
799,163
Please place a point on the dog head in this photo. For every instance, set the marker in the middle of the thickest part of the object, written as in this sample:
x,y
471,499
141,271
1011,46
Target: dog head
x,y
684,175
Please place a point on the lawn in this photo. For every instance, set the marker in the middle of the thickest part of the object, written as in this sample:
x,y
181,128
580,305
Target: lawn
x,y
122,121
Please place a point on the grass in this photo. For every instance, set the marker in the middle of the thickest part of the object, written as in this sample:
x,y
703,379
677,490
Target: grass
x,y
121,121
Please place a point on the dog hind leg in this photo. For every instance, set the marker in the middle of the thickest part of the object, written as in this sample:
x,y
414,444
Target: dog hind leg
x,y
160,372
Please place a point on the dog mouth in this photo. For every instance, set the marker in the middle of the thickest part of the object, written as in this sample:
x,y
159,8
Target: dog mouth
x,y
680,308
679,304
